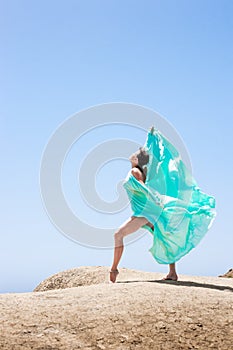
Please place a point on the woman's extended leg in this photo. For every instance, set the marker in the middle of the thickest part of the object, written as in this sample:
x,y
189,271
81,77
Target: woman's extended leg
x,y
129,226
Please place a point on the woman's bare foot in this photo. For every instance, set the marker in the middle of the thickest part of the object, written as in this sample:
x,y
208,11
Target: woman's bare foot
x,y
113,275
171,277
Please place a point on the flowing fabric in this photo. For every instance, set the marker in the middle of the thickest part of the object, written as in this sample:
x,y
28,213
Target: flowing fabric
x,y
171,201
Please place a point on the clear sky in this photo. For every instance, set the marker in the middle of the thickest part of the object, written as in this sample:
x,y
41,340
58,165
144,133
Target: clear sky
x,y
59,57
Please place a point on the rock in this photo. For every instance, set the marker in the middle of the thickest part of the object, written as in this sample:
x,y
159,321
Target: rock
x,y
81,309
228,274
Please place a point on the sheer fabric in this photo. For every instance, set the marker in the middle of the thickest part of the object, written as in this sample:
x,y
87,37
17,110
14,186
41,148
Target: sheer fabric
x,y
171,201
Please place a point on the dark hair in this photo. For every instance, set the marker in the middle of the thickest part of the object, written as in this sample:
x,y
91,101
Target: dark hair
x,y
143,159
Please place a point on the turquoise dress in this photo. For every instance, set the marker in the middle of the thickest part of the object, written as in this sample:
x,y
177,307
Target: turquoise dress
x,y
171,201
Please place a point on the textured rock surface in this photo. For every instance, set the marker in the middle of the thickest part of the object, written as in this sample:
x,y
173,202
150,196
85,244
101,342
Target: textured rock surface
x,y
228,274
139,311
81,276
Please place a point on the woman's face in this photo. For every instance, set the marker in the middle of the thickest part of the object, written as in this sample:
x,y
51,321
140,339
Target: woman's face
x,y
134,160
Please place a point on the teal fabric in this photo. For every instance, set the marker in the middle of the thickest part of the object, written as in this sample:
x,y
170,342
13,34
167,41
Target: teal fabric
x,y
171,201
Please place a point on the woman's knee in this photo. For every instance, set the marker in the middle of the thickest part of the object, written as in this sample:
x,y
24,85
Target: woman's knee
x,y
119,234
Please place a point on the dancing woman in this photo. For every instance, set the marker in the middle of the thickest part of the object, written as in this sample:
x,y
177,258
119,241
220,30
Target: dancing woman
x,y
165,200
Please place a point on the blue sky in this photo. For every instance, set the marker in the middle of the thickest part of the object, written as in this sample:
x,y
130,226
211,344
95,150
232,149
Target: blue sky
x,y
60,57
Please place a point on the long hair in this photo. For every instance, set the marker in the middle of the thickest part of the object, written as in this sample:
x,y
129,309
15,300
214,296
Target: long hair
x,y
143,159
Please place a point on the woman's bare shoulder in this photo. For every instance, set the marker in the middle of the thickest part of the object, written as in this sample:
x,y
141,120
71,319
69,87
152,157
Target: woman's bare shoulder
x,y
136,173
135,170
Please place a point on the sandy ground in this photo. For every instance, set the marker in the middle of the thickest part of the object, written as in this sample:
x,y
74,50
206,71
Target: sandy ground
x,y
139,311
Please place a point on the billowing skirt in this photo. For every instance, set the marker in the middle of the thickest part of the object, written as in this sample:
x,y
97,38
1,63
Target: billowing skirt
x,y
171,201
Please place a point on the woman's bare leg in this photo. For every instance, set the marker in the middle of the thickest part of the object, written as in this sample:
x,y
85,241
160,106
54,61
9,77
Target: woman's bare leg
x,y
129,226
172,275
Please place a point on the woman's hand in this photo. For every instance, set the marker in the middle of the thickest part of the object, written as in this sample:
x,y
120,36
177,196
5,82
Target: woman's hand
x,y
152,129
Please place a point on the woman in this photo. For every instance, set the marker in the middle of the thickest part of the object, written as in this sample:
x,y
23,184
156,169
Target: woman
x,y
165,200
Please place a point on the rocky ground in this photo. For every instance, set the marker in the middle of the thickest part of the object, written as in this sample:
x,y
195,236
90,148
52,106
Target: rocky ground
x,y
81,309
228,274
